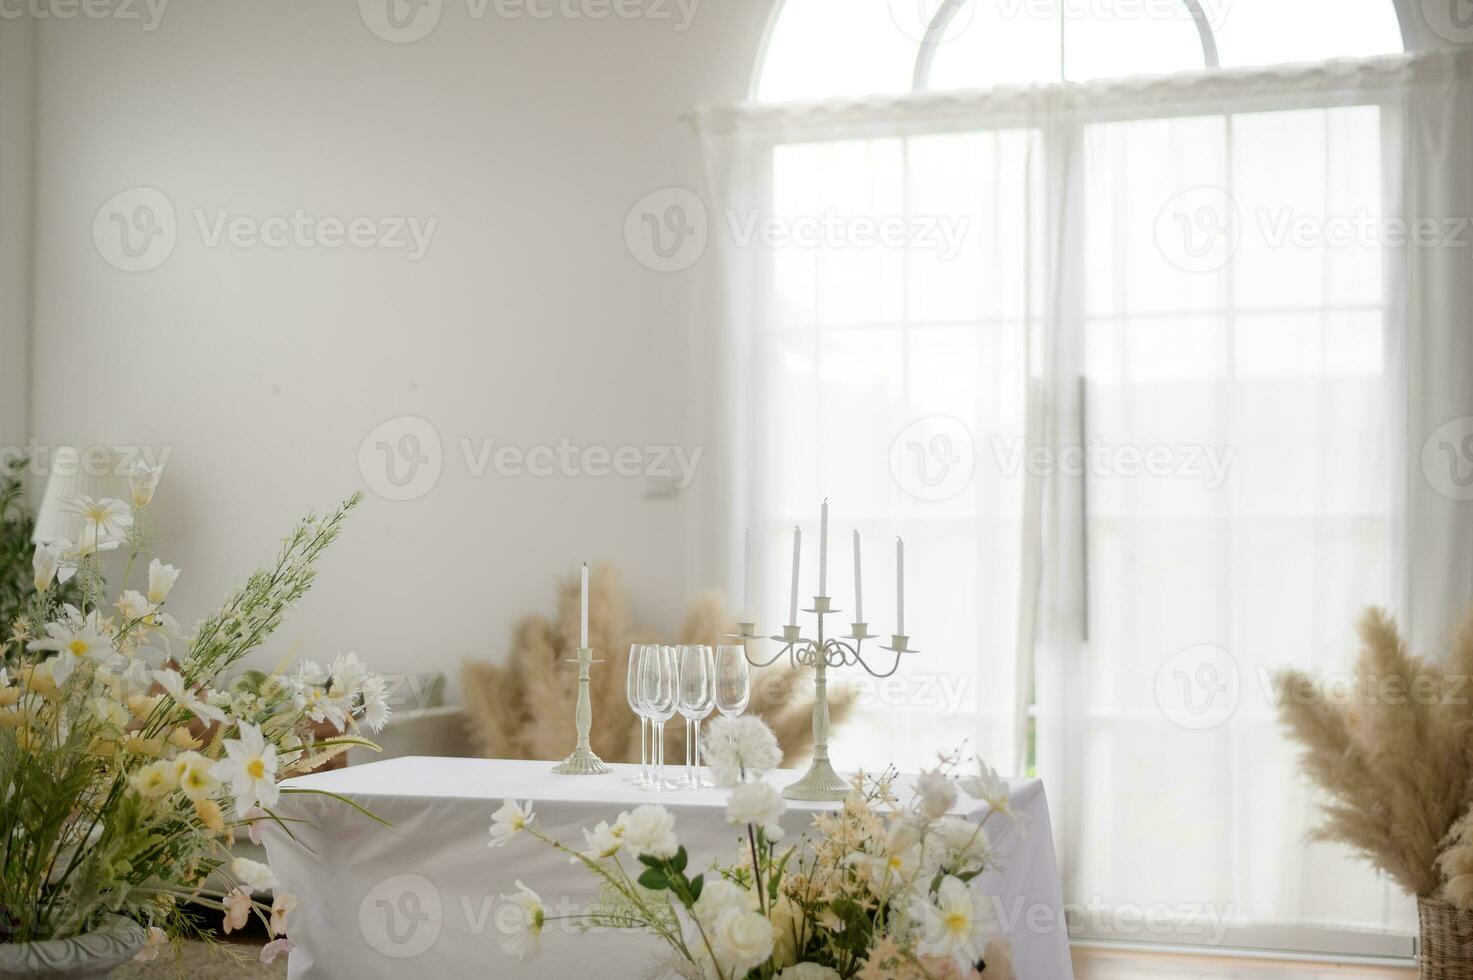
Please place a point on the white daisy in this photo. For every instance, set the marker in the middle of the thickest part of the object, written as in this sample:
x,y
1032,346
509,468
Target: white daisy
x,y
108,517
521,928
509,821
250,768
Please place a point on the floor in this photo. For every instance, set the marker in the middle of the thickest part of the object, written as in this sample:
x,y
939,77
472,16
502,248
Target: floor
x,y
1090,964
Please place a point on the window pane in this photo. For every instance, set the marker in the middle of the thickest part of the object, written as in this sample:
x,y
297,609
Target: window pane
x,y
991,42
824,49
1115,40
1266,32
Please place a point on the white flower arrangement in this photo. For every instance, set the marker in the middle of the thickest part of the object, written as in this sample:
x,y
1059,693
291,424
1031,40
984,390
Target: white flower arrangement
x,y
139,767
880,891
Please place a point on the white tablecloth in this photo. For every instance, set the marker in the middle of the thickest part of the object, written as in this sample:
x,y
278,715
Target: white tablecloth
x,y
418,899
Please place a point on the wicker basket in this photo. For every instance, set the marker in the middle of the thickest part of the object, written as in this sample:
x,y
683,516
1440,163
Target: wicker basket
x,y
1447,941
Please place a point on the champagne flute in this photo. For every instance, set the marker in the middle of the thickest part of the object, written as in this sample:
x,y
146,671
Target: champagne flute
x,y
658,678
631,694
694,703
733,680
702,712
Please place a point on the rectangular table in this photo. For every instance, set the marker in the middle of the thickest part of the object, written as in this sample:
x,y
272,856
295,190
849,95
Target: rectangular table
x,y
418,899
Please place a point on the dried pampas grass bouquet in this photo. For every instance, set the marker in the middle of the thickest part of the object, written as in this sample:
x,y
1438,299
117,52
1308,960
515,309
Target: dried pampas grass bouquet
x,y
523,709
1394,756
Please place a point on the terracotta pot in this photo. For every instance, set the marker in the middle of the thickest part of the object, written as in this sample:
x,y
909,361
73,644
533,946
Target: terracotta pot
x,y
90,956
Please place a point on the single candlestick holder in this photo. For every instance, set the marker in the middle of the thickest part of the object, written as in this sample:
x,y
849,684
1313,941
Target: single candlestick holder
x,y
583,762
821,782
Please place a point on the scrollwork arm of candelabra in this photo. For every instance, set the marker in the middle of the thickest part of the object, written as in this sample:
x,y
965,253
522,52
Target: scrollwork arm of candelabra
x,y
821,653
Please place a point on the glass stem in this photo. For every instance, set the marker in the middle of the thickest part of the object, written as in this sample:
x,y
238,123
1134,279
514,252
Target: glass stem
x,y
644,748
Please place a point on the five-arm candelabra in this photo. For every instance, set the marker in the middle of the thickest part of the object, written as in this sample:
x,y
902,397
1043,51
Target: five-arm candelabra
x,y
821,782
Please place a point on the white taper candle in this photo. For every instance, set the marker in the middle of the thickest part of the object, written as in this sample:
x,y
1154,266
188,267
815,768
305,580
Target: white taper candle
x,y
747,577
823,548
793,597
583,631
900,586
858,584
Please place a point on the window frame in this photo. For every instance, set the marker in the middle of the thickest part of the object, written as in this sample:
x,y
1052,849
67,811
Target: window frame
x,y
947,11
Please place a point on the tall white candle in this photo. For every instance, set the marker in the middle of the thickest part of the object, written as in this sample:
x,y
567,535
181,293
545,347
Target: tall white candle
x,y
583,631
793,597
899,586
858,584
747,577
823,549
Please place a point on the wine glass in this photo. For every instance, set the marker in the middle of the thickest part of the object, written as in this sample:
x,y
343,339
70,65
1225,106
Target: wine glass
x,y
631,694
704,711
659,674
733,680
695,702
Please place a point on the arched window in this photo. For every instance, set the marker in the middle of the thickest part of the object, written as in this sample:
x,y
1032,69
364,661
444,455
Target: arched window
x,y
822,49
1172,270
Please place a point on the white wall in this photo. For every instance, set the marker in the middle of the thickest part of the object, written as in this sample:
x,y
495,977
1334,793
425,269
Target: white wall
x,y
263,370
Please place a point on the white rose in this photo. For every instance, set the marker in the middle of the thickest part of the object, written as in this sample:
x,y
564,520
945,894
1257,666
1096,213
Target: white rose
x,y
650,829
719,897
935,794
743,939
809,971
964,844
756,803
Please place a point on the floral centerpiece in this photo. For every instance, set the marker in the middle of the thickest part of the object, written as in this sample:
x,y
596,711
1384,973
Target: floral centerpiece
x,y
132,755
882,890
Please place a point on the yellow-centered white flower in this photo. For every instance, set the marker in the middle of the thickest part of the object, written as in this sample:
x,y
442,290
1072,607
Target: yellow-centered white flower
x,y
108,517
510,820
521,923
161,579
73,643
155,780
250,768
196,775
957,923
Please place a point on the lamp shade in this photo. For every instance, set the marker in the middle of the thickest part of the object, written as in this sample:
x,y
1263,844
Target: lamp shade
x,y
94,474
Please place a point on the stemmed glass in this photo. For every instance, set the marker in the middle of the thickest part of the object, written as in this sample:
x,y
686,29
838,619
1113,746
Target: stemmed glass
x,y
659,676
697,699
733,681
637,653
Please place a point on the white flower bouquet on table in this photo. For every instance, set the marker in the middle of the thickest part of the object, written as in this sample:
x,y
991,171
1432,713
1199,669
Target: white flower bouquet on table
x,y
880,891
128,769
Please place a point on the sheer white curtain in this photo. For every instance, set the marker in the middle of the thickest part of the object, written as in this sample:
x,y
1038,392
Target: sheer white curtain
x,y
882,290
1195,343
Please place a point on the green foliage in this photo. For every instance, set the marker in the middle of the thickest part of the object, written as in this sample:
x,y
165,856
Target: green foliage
x,y
17,582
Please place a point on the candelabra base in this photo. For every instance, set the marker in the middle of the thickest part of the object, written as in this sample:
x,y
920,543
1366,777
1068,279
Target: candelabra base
x,y
581,763
819,784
